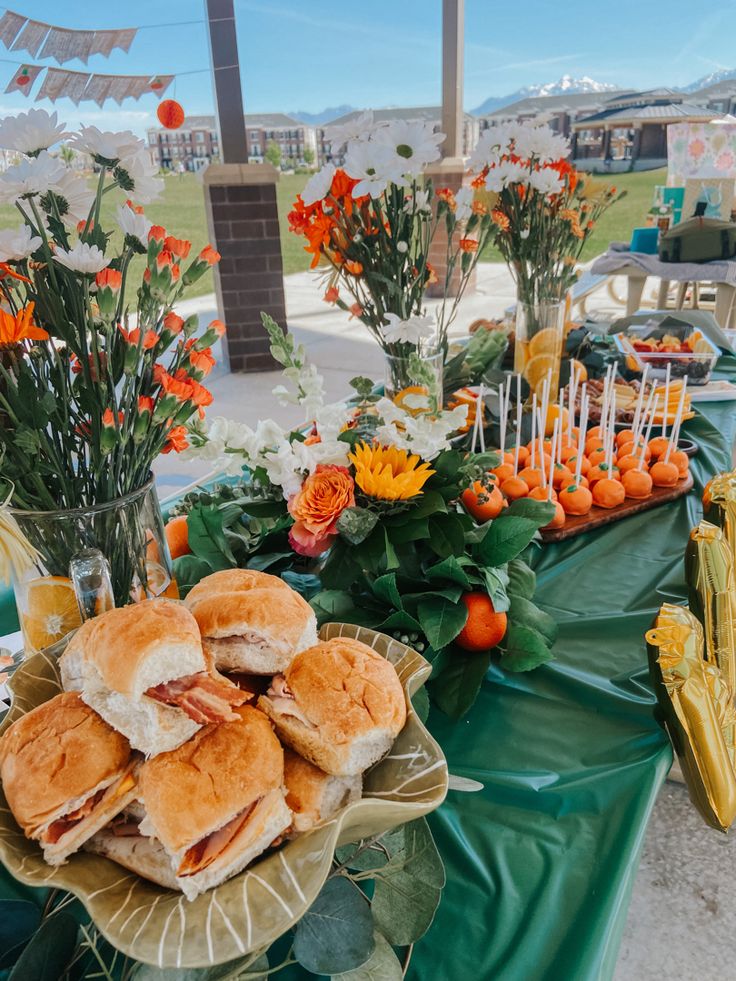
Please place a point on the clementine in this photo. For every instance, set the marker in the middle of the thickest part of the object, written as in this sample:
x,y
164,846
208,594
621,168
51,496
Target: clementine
x,y
484,628
177,536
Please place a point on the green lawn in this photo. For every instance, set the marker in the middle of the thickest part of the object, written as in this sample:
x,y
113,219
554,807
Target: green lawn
x,y
181,211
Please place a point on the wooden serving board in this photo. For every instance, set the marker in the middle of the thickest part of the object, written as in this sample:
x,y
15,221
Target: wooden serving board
x,y
597,517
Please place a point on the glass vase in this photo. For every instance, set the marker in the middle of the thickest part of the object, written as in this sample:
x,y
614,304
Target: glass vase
x,y
538,344
119,549
414,379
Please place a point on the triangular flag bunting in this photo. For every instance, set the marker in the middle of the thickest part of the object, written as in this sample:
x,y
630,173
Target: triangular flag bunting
x,y
23,79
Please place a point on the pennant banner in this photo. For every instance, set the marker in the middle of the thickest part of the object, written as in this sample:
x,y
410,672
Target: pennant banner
x,y
60,83
63,84
18,33
23,79
159,84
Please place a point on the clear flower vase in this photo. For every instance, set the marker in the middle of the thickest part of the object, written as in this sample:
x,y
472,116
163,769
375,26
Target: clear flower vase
x,y
538,344
70,580
414,380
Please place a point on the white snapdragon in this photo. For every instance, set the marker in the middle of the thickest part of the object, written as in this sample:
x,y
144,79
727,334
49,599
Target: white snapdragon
x,y
318,185
425,435
413,330
83,258
17,243
132,223
31,131
308,389
32,176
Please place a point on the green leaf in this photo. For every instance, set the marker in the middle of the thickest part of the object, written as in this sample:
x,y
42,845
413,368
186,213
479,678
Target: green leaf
x,y
336,933
386,590
392,559
382,965
525,650
496,581
409,886
340,567
304,583
188,570
332,604
448,568
207,538
399,620
527,507
526,614
49,951
410,531
447,464
456,687
19,920
264,509
447,536
431,502
356,524
264,560
441,619
522,579
254,967
362,386
507,536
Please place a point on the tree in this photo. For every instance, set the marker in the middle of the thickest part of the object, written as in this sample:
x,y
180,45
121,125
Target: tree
x,y
308,156
273,153
67,155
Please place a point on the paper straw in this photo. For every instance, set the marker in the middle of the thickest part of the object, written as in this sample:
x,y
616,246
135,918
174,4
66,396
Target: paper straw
x,y
518,424
675,433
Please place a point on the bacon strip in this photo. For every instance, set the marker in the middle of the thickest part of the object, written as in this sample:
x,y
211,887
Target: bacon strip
x,y
57,829
207,849
204,698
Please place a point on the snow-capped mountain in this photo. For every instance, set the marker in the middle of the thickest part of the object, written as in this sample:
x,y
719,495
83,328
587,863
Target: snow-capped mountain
x,y
722,75
566,84
325,116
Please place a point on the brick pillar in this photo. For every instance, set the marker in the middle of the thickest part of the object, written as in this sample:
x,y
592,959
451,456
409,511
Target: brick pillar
x,y
451,173
243,223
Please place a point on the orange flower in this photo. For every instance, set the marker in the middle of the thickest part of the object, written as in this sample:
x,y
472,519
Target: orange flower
x,y
110,278
468,245
81,225
164,258
108,419
134,207
209,255
354,268
446,195
132,337
331,295
431,274
355,310
145,403
176,440
178,246
500,219
480,180
157,232
342,185
218,327
14,329
173,322
200,360
478,208
180,388
323,497
5,270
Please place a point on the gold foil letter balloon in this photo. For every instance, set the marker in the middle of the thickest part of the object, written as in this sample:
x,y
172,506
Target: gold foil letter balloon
x,y
698,712
719,506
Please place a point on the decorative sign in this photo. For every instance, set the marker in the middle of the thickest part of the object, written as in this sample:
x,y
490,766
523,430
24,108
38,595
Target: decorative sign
x,y
701,150
23,79
61,83
19,33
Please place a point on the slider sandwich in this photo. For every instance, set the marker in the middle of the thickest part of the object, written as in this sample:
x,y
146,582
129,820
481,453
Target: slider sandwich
x,y
339,704
142,667
251,622
65,774
211,807
313,795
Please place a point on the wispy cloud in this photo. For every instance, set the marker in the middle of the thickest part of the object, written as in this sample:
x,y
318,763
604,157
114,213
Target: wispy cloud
x,y
523,65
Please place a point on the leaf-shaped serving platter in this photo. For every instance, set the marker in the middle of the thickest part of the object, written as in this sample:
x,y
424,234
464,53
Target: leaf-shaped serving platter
x,y
247,913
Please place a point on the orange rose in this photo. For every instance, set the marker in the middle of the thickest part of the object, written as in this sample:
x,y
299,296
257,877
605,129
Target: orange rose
x,y
316,507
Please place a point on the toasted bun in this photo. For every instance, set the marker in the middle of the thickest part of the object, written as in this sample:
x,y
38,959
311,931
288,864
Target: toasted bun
x,y
313,795
353,701
150,726
148,857
132,648
251,621
203,784
54,757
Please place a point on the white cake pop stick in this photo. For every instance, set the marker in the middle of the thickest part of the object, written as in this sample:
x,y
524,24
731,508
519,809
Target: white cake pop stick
x,y
675,432
518,425
583,422
640,401
666,407
645,442
534,430
479,417
555,434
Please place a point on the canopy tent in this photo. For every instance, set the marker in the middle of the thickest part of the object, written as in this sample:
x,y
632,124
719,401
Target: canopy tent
x,y
701,150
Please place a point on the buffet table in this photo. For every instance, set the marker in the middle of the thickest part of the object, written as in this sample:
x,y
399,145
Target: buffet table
x,y
541,862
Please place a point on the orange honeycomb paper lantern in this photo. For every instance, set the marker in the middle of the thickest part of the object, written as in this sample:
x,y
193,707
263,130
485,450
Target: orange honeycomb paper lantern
x,y
170,114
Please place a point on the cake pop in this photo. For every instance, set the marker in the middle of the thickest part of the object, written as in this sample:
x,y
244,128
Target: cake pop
x,y
584,464
602,472
598,455
481,502
627,463
628,448
624,436
673,455
540,494
681,461
531,475
608,493
561,475
503,471
558,519
576,499
592,443
664,474
659,444
513,488
637,484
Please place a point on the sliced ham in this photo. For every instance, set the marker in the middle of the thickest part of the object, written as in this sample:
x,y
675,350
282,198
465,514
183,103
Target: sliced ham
x,y
204,698
57,829
210,847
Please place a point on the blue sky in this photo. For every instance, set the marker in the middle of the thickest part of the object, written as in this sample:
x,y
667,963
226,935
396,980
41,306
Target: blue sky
x,y
308,54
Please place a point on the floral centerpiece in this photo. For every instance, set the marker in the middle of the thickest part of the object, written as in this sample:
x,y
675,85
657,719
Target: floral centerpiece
x,y
369,495
370,224
92,387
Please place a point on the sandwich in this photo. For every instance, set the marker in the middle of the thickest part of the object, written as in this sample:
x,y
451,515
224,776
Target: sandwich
x,y
251,622
143,669
211,807
313,795
65,774
339,704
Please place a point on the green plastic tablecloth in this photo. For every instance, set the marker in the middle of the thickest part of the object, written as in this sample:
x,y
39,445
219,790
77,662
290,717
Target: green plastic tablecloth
x,y
541,862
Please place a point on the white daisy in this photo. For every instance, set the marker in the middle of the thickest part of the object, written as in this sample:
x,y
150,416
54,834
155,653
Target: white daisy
x,y
539,143
143,172
34,175
504,174
132,223
83,258
354,129
414,330
318,185
31,131
463,202
106,146
373,166
17,243
77,194
546,181
414,144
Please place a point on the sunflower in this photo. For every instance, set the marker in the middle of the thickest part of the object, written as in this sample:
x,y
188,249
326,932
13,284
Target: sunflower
x,y
387,473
